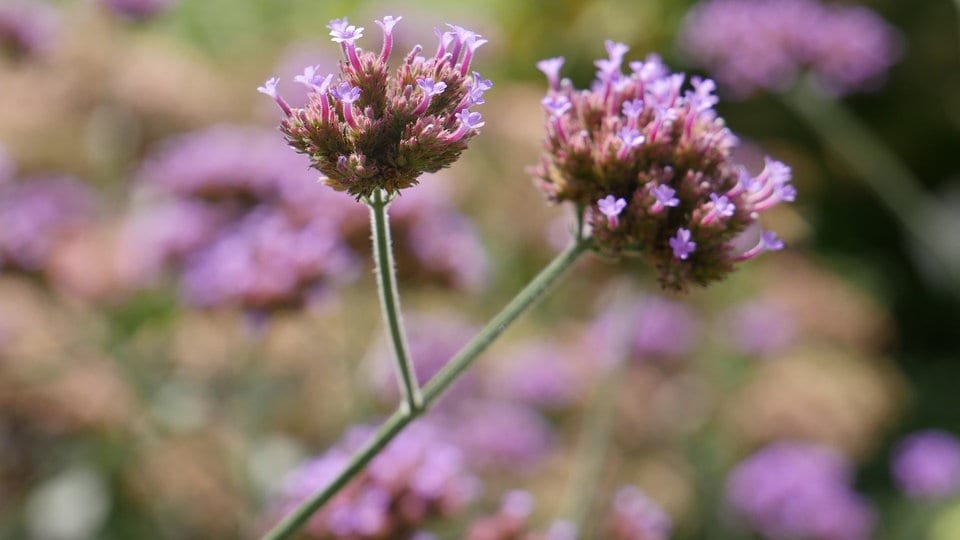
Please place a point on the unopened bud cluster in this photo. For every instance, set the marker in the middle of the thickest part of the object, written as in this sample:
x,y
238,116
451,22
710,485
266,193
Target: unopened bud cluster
x,y
649,160
371,129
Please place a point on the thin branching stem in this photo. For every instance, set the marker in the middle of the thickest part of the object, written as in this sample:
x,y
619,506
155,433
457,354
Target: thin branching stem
x,y
394,425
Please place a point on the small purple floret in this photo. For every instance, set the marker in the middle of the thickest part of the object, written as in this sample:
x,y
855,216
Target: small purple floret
x,y
345,92
556,105
722,205
611,207
551,68
682,245
664,196
346,34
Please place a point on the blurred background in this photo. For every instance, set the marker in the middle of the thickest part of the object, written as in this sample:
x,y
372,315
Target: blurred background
x,y
186,315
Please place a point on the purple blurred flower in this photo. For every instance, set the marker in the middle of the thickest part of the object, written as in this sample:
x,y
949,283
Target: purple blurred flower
x,y
37,212
799,490
643,327
27,28
541,375
137,10
267,262
926,465
761,328
634,516
417,477
432,341
500,435
445,243
239,215
750,44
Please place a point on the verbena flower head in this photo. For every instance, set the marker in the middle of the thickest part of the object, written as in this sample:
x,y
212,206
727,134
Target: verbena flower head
x,y
650,160
418,476
799,490
926,465
751,45
370,129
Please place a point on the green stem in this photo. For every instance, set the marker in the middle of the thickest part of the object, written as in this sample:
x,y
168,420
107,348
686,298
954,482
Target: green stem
x,y
390,429
520,303
890,180
592,451
390,301
525,299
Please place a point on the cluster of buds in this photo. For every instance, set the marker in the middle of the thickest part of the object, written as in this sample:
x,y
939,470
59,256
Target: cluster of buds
x,y
650,163
369,129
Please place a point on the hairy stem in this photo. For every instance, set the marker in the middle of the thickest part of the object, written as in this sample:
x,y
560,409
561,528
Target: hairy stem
x,y
390,301
394,425
520,303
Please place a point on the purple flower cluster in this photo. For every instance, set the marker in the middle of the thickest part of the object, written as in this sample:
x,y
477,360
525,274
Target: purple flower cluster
x,y
926,465
37,212
799,490
417,477
239,218
645,328
370,129
651,163
27,27
137,10
443,243
761,328
540,374
634,516
765,44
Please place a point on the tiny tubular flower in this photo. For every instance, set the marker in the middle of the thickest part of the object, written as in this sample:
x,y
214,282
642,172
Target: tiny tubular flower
x,y
551,68
631,138
475,92
347,36
468,121
663,196
682,245
430,88
387,24
270,88
611,207
768,242
556,105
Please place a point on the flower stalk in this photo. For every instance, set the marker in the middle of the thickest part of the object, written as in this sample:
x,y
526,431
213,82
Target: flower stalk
x,y
405,414
390,300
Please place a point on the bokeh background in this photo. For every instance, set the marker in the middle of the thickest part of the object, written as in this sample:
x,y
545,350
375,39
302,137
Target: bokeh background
x,y
135,403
